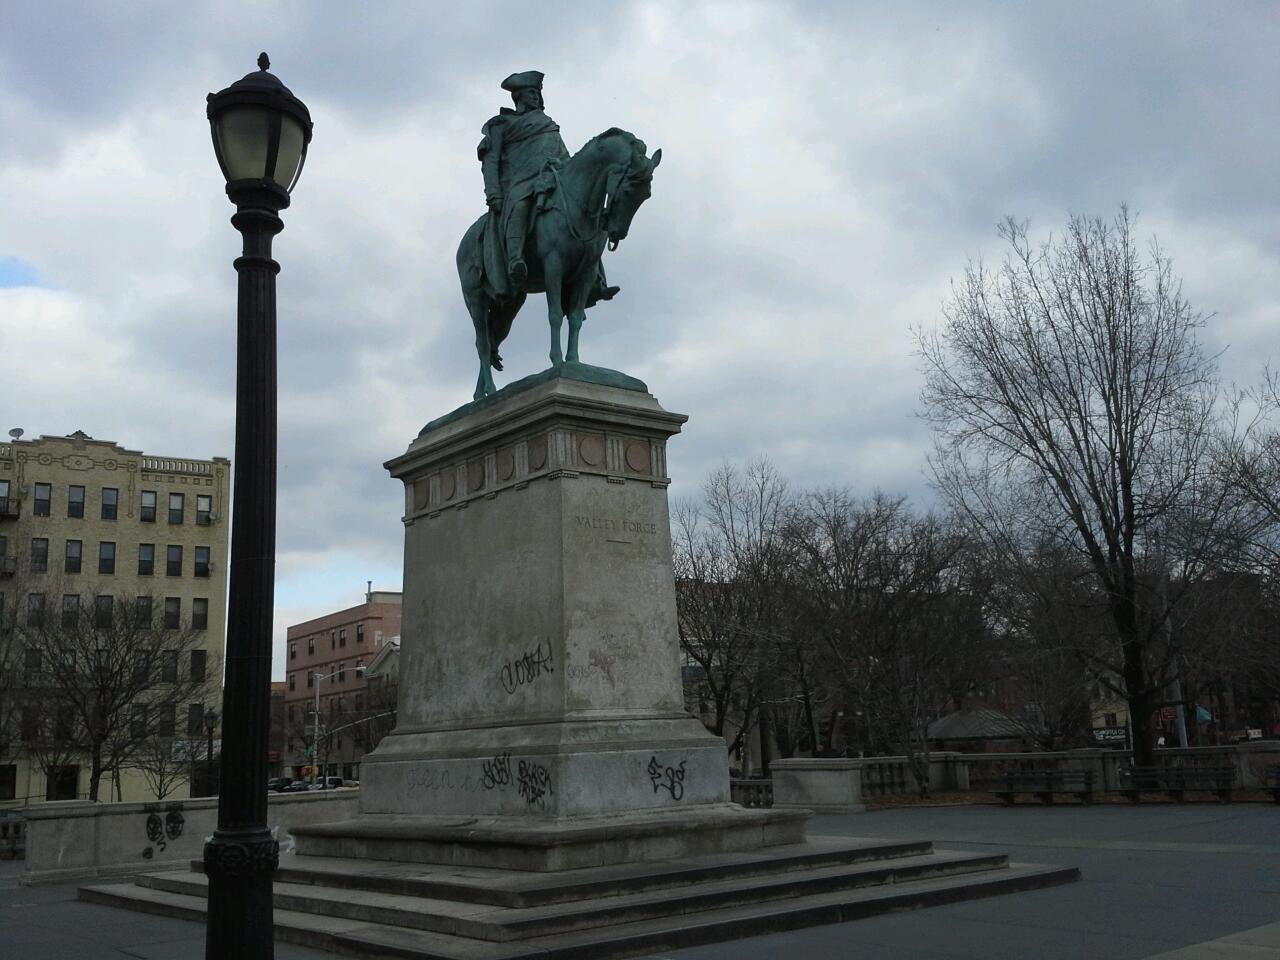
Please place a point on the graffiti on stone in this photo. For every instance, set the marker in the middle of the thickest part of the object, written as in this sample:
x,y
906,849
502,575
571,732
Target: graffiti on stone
x,y
160,830
526,668
670,779
534,781
496,772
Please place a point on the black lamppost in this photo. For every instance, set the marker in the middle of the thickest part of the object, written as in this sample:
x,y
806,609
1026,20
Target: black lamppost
x,y
260,135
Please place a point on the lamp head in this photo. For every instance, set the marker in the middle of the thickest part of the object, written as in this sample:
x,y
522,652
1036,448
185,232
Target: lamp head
x,y
260,132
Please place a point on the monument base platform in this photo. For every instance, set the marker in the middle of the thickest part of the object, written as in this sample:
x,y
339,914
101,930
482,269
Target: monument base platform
x,y
375,909
523,843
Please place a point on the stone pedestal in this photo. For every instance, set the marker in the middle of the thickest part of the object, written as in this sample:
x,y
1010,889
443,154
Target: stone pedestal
x,y
540,674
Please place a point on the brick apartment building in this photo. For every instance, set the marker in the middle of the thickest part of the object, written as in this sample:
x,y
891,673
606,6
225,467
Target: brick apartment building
x,y
333,647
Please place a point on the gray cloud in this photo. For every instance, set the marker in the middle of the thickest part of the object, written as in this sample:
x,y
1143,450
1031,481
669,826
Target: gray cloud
x,y
827,168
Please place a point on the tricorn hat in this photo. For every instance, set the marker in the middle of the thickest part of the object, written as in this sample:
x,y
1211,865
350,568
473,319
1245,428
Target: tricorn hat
x,y
522,81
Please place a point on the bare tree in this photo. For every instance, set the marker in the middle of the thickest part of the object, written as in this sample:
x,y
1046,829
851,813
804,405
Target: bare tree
x,y
1073,376
730,562
106,676
160,765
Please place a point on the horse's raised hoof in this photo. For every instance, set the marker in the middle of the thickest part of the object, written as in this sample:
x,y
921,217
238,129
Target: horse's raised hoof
x,y
495,361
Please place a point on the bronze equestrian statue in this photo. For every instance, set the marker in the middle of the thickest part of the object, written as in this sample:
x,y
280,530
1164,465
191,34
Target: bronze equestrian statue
x,y
549,217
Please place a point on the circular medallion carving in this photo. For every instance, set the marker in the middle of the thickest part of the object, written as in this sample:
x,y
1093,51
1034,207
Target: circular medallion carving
x,y
591,449
475,475
638,456
448,484
506,465
538,452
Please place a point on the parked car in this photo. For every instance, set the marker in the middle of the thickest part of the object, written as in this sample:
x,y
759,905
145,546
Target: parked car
x,y
298,786
328,783
279,784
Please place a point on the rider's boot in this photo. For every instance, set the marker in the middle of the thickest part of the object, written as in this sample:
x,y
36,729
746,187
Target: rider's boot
x,y
517,225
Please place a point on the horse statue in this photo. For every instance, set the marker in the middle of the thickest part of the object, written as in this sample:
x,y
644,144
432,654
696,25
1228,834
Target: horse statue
x,y
581,203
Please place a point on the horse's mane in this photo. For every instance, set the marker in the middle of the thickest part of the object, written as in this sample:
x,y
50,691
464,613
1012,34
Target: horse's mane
x,y
616,132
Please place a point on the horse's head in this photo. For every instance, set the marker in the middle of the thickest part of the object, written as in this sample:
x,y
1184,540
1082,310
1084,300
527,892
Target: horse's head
x,y
630,186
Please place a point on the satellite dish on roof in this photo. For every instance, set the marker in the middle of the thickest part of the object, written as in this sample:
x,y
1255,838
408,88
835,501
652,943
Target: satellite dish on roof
x,y
16,433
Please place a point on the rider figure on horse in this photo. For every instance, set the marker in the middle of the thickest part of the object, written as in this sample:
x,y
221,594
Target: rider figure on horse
x,y
516,148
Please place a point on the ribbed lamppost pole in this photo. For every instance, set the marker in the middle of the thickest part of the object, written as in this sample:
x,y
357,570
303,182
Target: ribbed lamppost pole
x,y
260,136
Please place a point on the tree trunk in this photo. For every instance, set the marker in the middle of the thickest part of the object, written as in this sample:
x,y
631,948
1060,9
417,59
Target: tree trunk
x,y
95,771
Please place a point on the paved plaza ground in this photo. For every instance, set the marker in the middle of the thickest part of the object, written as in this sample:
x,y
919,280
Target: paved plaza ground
x,y
1157,879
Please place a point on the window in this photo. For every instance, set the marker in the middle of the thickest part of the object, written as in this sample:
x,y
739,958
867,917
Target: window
x,y
203,566
42,501
103,611
289,712
166,719
359,702
199,661
39,554
6,508
311,679
175,507
110,501
75,502
142,673
62,783
173,561
204,510
200,614
8,781
342,673
311,646
1109,719
172,613
138,721
359,633
142,611
293,683
64,723
71,564
70,609
146,559
333,640
35,609
30,727
148,513
293,650
169,666
106,557
31,660
342,637
195,719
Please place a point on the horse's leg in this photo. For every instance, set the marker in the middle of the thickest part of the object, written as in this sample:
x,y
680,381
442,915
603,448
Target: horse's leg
x,y
478,307
553,275
579,291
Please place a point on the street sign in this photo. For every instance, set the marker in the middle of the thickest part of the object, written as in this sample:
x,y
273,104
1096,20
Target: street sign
x,y
1110,734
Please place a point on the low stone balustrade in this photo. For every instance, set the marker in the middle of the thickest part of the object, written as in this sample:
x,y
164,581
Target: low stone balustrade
x,y
78,839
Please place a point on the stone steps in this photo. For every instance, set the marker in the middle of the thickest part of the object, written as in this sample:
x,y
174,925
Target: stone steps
x,y
376,909
500,924
373,940
506,888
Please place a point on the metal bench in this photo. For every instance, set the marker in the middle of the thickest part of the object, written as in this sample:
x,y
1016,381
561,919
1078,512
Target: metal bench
x,y
1176,781
1043,784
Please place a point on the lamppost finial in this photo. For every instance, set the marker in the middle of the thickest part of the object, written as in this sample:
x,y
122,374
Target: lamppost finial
x,y
263,61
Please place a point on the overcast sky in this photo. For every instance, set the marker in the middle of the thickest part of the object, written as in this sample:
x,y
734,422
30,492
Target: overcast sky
x,y
827,169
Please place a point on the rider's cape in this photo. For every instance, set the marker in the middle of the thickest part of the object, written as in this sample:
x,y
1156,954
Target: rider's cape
x,y
528,141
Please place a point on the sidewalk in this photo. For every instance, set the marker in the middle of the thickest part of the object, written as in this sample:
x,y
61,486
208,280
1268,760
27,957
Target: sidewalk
x,y
1157,879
